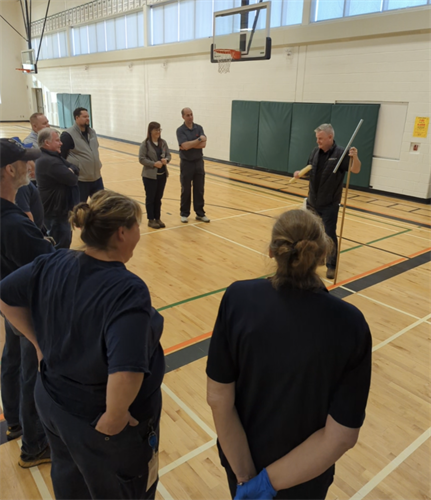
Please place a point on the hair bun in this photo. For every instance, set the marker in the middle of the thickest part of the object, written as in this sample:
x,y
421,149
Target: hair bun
x,y
79,215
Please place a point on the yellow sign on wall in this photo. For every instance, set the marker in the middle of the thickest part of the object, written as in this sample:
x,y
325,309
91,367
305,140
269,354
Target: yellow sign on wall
x,y
421,126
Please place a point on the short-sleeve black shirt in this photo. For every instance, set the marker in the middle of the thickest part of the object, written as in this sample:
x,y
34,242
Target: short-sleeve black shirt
x,y
295,357
184,134
92,318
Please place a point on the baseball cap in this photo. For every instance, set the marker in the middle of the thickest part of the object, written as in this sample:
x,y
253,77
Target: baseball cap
x,y
12,151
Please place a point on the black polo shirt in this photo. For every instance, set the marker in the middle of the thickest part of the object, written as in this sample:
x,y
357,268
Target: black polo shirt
x,y
325,187
185,134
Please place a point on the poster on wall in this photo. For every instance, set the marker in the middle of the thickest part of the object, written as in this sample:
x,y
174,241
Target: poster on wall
x,y
421,126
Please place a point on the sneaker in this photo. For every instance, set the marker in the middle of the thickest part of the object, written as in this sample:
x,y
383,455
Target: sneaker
x,y
184,219
330,273
13,432
202,218
153,223
160,223
44,457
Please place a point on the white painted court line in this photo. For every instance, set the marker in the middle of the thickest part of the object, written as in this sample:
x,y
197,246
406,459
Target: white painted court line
x,y
189,412
380,303
372,225
126,180
193,224
164,492
419,237
38,479
186,458
232,241
401,332
384,473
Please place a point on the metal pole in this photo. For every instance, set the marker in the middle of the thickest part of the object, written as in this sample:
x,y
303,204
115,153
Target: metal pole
x,y
342,220
346,150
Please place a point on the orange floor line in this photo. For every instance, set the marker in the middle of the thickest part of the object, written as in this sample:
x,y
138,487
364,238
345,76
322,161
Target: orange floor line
x,y
419,253
1,417
192,341
367,273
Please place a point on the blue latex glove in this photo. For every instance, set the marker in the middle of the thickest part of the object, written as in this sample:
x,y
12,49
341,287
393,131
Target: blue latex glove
x,y
258,488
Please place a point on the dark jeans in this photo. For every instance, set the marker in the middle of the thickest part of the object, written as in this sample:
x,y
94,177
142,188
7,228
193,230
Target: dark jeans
x,y
59,228
87,189
18,377
87,464
154,189
192,173
329,217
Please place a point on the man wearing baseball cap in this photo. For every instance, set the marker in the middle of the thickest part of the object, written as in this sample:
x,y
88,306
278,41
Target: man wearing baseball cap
x,y
21,241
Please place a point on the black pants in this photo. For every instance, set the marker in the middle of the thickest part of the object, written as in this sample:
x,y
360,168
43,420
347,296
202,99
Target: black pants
x,y
18,378
87,464
192,173
87,189
154,189
59,228
329,217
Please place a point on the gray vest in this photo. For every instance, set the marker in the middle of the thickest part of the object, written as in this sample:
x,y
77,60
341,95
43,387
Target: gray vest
x,y
85,155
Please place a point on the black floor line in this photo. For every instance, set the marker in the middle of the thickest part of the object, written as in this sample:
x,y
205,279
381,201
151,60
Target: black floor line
x,y
283,190
199,350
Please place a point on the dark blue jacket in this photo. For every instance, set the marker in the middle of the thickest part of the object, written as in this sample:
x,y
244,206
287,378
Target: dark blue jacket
x,y
21,241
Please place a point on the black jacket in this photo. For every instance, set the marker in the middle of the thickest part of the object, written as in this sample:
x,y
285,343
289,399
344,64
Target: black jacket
x,y
331,185
57,180
21,240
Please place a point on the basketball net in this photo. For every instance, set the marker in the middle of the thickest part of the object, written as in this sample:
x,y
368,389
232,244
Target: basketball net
x,y
226,56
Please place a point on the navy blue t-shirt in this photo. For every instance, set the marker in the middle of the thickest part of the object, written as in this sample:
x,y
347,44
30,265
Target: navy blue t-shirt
x,y
92,318
295,357
28,200
185,134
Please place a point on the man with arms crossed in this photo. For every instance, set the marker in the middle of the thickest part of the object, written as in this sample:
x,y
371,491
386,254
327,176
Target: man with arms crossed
x,y
325,188
81,147
192,140
58,186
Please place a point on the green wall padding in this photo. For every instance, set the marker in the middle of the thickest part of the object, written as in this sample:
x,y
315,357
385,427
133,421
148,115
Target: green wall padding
x,y
275,120
306,117
60,107
244,132
344,119
66,103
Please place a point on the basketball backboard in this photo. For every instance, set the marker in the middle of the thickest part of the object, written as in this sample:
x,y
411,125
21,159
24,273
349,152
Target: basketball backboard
x,y
28,61
244,31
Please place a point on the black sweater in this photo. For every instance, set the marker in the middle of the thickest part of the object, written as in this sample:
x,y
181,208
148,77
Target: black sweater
x,y
57,180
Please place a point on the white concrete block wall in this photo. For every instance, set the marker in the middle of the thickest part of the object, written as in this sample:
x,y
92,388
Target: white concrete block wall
x,y
378,69
14,104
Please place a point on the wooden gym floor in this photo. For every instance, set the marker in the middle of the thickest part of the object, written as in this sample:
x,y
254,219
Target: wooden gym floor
x,y
385,270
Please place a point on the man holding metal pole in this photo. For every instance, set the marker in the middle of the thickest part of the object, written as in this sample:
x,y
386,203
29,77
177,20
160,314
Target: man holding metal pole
x,y
326,187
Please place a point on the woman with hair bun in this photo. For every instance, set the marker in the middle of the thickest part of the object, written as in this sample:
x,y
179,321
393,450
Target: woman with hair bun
x,y
101,362
288,370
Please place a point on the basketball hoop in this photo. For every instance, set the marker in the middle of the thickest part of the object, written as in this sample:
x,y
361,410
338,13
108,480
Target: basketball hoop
x,y
23,70
226,56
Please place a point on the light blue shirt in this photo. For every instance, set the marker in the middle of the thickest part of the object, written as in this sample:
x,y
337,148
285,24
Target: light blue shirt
x,y
31,139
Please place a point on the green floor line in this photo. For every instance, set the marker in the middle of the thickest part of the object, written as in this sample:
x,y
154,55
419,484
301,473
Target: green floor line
x,y
191,299
375,241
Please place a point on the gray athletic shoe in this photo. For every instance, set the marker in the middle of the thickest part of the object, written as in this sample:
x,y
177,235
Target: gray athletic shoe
x,y
204,218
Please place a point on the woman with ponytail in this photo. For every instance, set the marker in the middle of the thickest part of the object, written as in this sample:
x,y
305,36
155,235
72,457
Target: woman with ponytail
x,y
288,372
101,363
